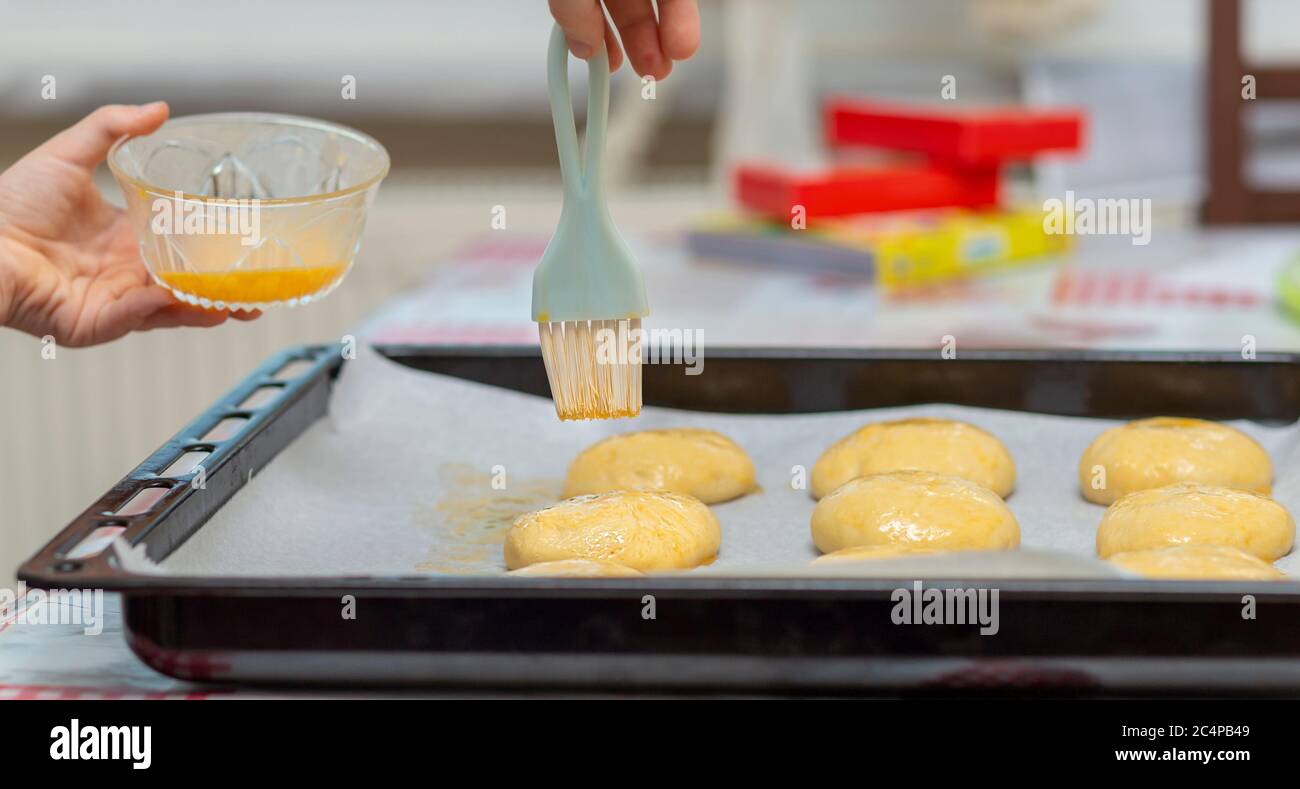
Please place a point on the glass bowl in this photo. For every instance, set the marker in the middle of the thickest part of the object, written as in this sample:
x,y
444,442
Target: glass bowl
x,y
248,210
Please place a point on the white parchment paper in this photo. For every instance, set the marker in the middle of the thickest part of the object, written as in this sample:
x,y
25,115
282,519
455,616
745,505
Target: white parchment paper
x,y
415,473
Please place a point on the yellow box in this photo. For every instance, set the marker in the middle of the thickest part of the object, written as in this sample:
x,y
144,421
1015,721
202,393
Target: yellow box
x,y
916,249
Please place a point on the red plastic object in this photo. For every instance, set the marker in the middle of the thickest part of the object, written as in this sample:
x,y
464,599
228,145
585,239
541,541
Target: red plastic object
x,y
962,137
775,192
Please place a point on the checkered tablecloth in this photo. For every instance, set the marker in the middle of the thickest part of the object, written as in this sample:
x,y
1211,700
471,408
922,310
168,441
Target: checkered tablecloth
x,y
1184,291
60,661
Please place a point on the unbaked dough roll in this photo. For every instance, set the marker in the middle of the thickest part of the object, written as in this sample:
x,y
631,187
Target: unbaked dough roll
x,y
1198,562
692,461
1152,453
643,530
918,509
1190,514
577,568
938,445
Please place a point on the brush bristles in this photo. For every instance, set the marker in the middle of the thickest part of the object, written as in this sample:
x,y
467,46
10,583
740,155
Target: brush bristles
x,y
594,367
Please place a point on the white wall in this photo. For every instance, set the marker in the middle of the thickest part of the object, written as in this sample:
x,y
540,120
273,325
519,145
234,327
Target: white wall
x,y
423,57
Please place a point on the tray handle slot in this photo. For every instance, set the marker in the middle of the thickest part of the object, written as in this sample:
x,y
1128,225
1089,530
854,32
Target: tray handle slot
x,y
229,426
262,396
292,369
143,501
94,543
187,462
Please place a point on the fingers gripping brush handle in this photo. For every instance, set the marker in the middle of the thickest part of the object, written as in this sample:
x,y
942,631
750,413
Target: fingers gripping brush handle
x,y
588,295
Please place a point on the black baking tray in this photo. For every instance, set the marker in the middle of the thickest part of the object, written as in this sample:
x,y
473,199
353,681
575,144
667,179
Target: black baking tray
x,y
708,633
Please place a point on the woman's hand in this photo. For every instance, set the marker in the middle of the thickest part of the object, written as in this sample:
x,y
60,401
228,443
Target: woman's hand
x,y
69,262
652,44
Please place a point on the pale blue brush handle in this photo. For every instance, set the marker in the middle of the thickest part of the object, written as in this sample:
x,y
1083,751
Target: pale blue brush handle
x,y
587,271
580,182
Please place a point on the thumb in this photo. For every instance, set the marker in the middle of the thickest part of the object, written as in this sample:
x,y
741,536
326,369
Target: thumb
x,y
86,144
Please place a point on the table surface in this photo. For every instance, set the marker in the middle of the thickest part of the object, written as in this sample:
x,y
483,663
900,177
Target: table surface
x,y
1186,291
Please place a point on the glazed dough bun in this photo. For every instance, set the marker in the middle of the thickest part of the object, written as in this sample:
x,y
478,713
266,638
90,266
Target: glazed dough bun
x,y
1189,514
577,568
938,445
918,509
1198,562
862,553
1152,453
700,463
643,530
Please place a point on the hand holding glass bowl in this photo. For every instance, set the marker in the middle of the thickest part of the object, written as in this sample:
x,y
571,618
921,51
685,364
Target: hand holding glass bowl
x,y
248,210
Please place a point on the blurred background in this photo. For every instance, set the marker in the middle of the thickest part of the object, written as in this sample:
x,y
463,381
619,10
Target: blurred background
x,y
456,91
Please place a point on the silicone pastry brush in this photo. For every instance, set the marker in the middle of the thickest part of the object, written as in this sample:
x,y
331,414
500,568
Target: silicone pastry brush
x,y
588,295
